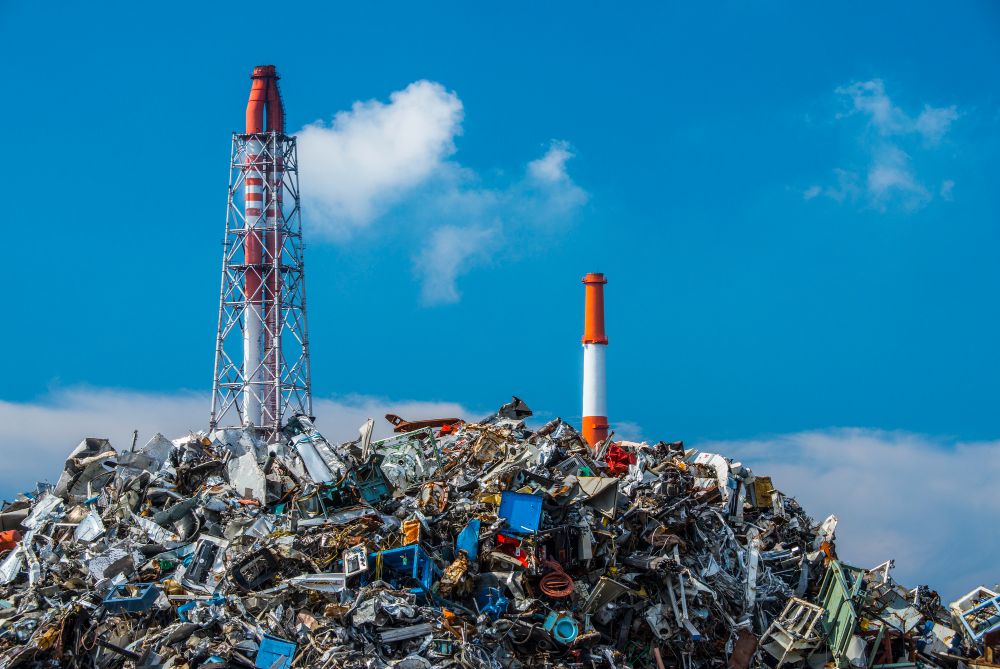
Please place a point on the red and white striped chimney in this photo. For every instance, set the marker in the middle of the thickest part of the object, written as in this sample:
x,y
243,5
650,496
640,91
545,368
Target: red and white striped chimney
x,y
595,345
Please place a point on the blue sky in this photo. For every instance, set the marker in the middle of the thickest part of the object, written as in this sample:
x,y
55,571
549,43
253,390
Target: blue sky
x,y
795,204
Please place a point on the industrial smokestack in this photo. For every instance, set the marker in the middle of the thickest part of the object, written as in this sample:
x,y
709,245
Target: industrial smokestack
x,y
262,350
261,192
595,345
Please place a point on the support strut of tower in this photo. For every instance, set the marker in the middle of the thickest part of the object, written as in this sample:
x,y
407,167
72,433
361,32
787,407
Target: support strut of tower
x,y
262,347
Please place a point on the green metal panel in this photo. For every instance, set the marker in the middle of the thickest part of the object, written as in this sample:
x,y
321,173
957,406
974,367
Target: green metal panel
x,y
839,594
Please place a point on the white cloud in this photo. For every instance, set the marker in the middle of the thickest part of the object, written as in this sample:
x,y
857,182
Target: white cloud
x,y
449,252
628,430
475,226
373,155
392,165
934,122
947,186
36,437
548,195
870,98
931,504
889,179
847,187
551,167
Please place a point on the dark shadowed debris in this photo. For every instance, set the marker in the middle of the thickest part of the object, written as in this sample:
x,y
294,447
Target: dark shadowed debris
x,y
449,544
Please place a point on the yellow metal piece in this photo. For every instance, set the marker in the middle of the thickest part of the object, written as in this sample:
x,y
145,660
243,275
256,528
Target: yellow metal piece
x,y
763,491
411,532
172,587
46,639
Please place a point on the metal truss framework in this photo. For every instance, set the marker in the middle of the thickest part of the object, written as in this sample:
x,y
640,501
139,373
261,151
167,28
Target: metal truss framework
x,y
262,372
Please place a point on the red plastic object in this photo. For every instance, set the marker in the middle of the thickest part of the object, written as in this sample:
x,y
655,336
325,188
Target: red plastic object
x,y
448,428
618,459
512,547
9,539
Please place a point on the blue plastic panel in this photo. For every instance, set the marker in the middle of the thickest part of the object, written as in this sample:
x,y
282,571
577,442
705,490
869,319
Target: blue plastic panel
x,y
273,649
468,539
522,512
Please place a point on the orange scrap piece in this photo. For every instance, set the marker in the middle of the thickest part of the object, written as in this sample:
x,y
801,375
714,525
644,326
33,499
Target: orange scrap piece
x,y
9,539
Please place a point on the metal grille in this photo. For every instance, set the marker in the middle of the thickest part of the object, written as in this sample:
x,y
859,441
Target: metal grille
x,y
262,347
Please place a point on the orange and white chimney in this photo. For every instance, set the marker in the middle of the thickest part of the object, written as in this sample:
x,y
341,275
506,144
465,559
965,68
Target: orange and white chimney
x,y
595,345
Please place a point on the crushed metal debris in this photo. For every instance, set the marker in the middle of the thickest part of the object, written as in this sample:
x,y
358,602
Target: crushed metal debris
x,y
449,544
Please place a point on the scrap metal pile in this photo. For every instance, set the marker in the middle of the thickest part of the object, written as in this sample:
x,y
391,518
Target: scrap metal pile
x,y
449,544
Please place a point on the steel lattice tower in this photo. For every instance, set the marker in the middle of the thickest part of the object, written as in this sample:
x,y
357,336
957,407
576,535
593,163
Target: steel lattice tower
x,y
262,347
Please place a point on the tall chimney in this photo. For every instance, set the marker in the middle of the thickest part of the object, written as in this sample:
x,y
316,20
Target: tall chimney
x,y
262,375
595,346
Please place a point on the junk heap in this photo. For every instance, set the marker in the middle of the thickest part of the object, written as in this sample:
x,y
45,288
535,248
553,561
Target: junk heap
x,y
449,544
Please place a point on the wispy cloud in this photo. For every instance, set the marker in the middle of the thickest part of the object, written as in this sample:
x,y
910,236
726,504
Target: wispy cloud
x,y
890,139
551,168
548,190
36,436
393,165
870,99
891,178
928,503
934,122
947,186
472,225
846,188
449,252
628,430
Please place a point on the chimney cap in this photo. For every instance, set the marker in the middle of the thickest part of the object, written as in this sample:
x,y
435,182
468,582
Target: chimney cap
x,y
264,72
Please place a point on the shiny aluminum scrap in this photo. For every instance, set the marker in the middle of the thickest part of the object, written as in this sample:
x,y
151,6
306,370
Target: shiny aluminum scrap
x,y
448,544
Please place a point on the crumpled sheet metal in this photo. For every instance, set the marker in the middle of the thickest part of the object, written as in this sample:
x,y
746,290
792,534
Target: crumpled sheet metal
x,y
450,544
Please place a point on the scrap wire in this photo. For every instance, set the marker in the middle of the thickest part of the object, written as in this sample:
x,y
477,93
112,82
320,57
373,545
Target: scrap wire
x,y
556,583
